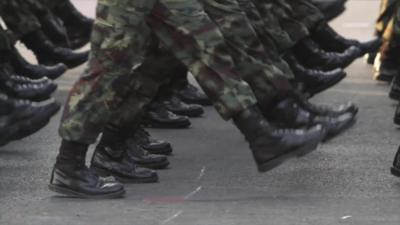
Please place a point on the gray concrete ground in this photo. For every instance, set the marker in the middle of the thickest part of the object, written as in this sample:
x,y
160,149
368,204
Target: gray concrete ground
x,y
212,179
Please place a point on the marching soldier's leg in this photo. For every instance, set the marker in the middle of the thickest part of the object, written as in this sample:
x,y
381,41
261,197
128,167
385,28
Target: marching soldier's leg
x,y
117,48
390,54
386,10
251,59
212,67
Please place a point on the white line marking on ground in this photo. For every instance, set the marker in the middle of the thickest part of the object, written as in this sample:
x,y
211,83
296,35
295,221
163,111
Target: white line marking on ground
x,y
346,217
191,194
202,172
172,217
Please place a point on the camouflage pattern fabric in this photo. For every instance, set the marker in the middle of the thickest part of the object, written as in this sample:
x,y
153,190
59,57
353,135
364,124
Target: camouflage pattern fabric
x,y
117,66
386,10
291,25
253,63
391,35
306,13
269,32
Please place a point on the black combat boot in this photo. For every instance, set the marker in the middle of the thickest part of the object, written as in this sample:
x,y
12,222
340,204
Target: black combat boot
x,y
111,159
78,26
26,80
395,170
310,54
153,146
30,126
158,116
388,68
271,146
325,110
55,30
22,67
328,39
330,8
174,104
143,158
315,81
126,143
29,91
21,118
48,54
370,58
71,177
394,92
289,114
191,95
396,118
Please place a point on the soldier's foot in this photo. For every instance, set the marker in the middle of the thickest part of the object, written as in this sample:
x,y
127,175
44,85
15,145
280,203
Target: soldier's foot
x,y
394,92
48,54
150,144
396,118
326,37
24,118
271,146
289,114
143,158
387,69
80,182
326,110
174,104
117,141
192,95
313,56
35,91
24,68
314,81
108,161
53,56
370,58
395,170
158,116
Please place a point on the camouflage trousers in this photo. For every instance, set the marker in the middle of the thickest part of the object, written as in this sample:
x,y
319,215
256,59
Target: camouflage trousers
x,y
252,60
391,35
120,52
386,11
269,32
255,62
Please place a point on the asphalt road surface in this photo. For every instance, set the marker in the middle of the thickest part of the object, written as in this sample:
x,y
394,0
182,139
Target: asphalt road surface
x,y
213,180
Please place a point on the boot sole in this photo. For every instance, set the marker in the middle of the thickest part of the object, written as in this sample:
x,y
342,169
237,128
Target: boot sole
x,y
153,166
105,173
189,114
159,152
74,194
394,171
300,152
319,89
153,124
